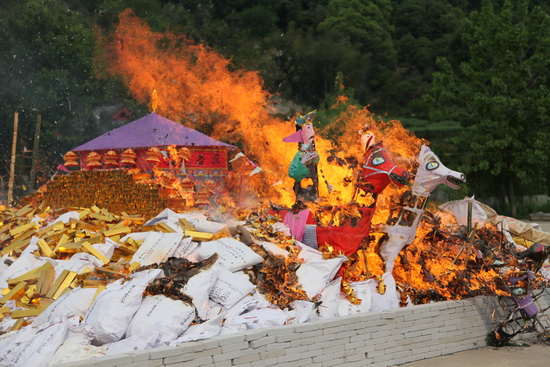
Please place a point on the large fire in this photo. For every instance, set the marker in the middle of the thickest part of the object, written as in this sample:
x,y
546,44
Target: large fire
x,y
193,84
222,245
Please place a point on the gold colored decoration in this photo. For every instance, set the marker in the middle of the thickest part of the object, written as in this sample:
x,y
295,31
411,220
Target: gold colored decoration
x,y
381,286
71,159
154,156
115,190
128,158
350,294
110,159
93,161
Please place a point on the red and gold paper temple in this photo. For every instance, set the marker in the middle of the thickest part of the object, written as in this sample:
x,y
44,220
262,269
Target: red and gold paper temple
x,y
171,165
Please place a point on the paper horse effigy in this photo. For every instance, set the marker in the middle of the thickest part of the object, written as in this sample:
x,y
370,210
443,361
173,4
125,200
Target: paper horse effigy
x,y
303,168
376,174
401,232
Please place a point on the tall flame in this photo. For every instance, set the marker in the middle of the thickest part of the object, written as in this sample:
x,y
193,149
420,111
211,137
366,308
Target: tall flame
x,y
189,82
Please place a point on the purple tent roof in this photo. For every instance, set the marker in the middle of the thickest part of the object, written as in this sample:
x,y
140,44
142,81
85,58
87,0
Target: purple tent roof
x,y
149,131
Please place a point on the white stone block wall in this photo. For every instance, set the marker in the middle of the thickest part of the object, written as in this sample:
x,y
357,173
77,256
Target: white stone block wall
x,y
376,339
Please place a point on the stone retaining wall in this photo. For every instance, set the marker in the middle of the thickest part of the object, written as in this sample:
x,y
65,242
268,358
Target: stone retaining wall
x,y
375,339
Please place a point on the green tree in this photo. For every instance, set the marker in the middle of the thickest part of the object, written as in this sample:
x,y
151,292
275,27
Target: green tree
x,y
423,30
366,25
500,94
47,68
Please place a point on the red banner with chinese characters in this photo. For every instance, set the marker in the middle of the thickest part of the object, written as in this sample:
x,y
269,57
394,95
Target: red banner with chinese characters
x,y
207,158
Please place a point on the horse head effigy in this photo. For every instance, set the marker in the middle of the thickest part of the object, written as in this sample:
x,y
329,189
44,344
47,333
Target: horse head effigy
x,y
376,174
379,170
401,232
432,173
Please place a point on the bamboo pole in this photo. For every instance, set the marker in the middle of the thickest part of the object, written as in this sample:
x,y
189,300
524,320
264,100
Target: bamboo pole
x,y
36,144
12,164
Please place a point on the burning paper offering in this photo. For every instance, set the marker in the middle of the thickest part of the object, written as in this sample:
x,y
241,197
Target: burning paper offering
x,y
163,244
69,274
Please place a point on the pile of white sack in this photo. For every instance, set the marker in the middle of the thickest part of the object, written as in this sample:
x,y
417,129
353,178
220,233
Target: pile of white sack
x,y
222,299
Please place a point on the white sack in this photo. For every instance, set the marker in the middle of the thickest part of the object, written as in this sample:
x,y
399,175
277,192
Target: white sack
x,y
230,287
71,352
233,254
6,339
157,248
330,297
116,305
314,275
262,301
170,316
22,265
79,263
14,342
246,304
229,328
31,247
208,329
363,292
387,301
200,286
4,261
185,248
106,248
78,332
168,217
459,209
77,343
281,228
202,223
214,310
7,322
307,253
77,301
136,236
144,340
273,249
303,311
196,219
64,218
40,349
260,318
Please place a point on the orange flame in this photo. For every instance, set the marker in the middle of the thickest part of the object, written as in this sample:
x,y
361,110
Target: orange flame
x,y
193,84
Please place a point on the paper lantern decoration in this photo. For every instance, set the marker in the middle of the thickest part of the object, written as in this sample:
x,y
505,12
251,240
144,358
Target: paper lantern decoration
x,y
93,161
201,198
154,156
128,158
110,159
187,184
71,160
